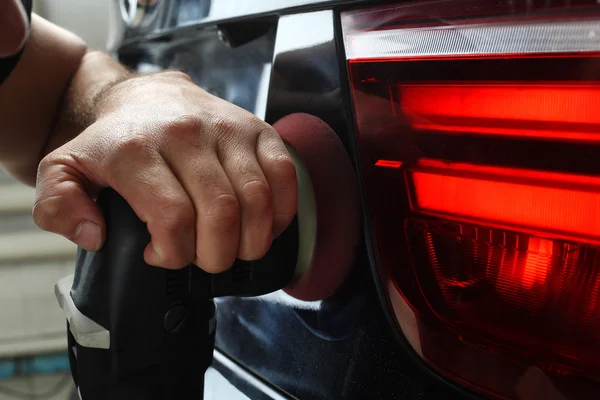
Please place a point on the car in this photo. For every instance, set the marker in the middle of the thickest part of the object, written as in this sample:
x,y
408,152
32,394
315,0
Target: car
x,y
473,128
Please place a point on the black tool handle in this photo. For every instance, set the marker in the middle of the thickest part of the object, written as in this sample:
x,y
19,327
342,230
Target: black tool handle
x,y
161,322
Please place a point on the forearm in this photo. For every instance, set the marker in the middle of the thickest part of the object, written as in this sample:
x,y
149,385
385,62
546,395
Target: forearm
x,y
30,97
49,97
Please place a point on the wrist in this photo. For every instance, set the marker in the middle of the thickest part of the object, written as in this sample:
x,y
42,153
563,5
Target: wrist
x,y
97,72
133,88
99,75
105,98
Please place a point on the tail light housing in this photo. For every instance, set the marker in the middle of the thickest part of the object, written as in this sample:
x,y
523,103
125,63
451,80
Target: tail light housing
x,y
478,127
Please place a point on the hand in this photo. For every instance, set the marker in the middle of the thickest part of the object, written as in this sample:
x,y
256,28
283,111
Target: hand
x,y
211,181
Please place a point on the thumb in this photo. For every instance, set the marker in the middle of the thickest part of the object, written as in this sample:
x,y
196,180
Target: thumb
x,y
64,206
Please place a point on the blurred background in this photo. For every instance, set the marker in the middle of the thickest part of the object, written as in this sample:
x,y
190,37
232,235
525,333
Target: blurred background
x,y
33,359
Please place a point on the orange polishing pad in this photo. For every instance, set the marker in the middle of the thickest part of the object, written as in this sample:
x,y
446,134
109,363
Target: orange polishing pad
x,y
328,206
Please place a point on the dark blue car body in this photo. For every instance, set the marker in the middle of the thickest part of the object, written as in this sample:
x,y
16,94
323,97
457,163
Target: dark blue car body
x,y
275,58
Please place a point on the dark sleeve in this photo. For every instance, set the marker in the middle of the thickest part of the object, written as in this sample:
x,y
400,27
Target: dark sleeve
x,y
7,64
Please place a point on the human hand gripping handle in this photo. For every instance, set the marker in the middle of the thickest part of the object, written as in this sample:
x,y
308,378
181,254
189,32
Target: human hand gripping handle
x,y
147,333
211,182
182,179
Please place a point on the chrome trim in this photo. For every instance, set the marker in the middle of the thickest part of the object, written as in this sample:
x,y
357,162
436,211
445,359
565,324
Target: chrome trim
x,y
181,15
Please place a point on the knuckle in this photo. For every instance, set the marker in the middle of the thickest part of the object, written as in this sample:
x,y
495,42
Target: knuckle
x,y
284,170
49,161
45,212
173,74
173,224
267,133
45,163
134,144
184,125
174,213
257,195
223,212
264,129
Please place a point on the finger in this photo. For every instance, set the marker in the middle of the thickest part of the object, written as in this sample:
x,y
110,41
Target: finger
x,y
280,172
217,209
63,205
254,196
156,196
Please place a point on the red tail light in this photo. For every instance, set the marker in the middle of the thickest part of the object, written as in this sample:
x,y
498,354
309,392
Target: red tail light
x,y
528,201
549,110
478,127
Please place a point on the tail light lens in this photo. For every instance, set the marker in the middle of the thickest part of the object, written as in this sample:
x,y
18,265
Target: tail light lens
x,y
479,135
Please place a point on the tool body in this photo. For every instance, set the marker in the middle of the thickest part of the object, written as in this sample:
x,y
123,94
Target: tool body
x,y
140,332
154,330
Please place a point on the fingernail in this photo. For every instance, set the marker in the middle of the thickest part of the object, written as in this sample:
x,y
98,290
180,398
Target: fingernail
x,y
89,236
